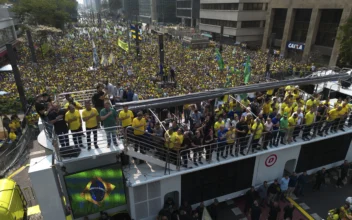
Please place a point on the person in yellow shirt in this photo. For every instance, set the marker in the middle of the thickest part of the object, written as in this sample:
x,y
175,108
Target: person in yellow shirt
x,y
288,109
309,103
139,125
73,119
269,93
71,101
126,116
257,130
12,135
217,125
332,121
343,115
245,102
91,118
308,123
266,108
230,140
292,122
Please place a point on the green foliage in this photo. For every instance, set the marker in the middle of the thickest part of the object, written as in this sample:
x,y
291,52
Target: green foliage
x,y
46,12
345,36
3,1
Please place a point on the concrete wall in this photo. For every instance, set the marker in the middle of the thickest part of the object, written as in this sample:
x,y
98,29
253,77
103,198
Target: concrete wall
x,y
322,4
231,15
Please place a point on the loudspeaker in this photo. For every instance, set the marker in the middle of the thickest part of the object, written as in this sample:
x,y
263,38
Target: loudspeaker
x,y
124,159
346,83
69,152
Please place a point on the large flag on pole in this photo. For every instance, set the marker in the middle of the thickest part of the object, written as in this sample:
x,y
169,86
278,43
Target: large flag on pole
x,y
122,44
247,71
95,55
219,59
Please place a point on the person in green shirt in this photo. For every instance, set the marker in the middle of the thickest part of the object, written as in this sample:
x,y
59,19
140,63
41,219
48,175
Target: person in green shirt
x,y
283,128
109,116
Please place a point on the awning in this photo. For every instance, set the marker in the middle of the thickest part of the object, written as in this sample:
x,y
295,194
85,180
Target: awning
x,y
207,35
6,68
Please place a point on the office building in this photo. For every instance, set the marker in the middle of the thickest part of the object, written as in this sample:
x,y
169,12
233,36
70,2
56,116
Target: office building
x,y
7,31
188,12
147,11
302,29
166,11
131,10
242,21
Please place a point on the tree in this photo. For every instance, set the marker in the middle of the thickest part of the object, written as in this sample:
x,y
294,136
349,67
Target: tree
x,y
46,12
345,37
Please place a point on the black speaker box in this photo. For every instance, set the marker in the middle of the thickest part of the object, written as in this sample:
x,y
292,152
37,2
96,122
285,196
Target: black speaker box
x,y
69,152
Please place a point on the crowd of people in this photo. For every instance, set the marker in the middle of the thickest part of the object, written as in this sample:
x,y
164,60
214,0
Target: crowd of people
x,y
66,66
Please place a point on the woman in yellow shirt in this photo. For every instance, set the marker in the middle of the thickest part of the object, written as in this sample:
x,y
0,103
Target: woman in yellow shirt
x,y
257,130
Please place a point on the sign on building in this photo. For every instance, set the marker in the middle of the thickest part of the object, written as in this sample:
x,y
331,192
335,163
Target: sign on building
x,y
295,46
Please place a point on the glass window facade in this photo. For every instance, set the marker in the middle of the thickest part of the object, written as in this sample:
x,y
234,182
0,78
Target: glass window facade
x,y
253,6
279,22
184,4
145,7
184,13
232,24
250,24
6,35
301,25
329,23
227,6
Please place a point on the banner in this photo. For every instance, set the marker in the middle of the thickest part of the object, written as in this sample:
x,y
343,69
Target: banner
x,y
247,71
123,45
95,55
219,59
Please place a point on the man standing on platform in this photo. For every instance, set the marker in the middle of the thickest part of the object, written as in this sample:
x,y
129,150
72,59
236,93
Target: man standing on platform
x,y
126,116
56,117
74,121
91,117
98,98
109,116
139,126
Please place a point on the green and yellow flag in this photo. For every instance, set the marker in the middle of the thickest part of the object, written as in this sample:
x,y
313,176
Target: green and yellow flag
x,y
247,71
122,44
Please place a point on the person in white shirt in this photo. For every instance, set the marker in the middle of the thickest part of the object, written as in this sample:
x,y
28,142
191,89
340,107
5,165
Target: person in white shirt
x,y
268,127
235,120
297,129
111,91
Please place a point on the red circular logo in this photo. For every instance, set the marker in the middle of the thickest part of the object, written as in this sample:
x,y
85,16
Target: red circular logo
x,y
270,160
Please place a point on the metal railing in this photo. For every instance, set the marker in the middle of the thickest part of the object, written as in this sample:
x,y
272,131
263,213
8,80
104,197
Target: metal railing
x,y
249,144
79,96
64,144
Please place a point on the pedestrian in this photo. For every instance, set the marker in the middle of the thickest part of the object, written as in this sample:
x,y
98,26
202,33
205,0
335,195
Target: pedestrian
x,y
273,191
292,184
274,211
301,182
343,173
256,211
320,178
214,210
288,211
250,197
263,193
284,187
